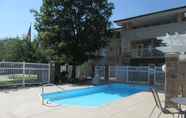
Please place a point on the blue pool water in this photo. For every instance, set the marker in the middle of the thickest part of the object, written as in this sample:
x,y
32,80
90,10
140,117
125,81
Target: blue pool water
x,y
93,96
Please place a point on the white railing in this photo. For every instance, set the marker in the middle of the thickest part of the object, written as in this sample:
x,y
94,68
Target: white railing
x,y
146,52
22,73
43,91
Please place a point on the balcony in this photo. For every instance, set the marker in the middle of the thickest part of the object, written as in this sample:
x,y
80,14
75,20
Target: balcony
x,y
146,53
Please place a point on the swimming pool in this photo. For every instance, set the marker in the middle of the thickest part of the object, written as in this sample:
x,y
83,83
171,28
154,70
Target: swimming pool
x,y
93,96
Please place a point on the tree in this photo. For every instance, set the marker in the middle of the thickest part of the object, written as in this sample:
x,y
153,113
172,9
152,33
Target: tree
x,y
21,49
33,51
74,29
11,49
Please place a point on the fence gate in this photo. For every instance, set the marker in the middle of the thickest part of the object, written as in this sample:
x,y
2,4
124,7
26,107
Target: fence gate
x,y
100,71
21,73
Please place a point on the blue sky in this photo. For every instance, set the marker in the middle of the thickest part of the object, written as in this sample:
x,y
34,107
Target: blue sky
x,y
15,16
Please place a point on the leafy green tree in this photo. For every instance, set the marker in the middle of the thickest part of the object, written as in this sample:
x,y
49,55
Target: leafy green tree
x,y
21,49
11,49
40,54
74,29
33,51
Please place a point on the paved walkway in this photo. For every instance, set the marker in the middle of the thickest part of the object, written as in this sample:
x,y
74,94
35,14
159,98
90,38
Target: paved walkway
x,y
26,103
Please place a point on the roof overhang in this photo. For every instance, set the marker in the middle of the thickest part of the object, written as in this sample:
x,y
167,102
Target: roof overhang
x,y
152,18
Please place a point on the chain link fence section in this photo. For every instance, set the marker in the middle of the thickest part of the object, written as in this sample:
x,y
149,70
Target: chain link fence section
x,y
138,74
134,74
130,74
22,73
159,77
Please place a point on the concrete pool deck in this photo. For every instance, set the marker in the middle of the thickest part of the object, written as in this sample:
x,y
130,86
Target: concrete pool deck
x,y
26,103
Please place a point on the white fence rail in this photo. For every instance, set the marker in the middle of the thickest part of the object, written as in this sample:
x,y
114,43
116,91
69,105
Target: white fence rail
x,y
133,74
21,73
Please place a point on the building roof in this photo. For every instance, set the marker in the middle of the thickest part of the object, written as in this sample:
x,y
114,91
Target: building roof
x,y
154,17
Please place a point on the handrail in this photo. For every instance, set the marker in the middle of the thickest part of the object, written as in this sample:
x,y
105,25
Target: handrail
x,y
146,52
49,84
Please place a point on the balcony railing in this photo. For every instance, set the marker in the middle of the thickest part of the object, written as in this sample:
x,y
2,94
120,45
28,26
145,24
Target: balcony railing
x,y
146,53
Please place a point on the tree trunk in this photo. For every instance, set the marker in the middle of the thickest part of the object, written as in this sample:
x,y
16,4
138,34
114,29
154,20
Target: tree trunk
x,y
73,77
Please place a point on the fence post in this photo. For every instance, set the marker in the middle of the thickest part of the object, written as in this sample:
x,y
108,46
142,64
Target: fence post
x,y
127,69
23,81
149,72
106,72
109,72
155,75
49,72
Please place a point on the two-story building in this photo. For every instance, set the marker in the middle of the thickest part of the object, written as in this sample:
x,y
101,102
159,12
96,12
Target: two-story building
x,y
139,39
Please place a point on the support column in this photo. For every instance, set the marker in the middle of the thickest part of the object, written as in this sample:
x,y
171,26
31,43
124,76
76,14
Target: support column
x,y
171,76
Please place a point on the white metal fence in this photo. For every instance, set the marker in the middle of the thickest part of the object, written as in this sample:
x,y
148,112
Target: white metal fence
x,y
21,73
133,74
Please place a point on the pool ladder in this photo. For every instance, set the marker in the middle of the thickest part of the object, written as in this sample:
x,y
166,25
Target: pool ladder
x,y
43,90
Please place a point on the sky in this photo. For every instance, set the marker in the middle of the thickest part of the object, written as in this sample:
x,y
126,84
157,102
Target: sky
x,y
15,16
